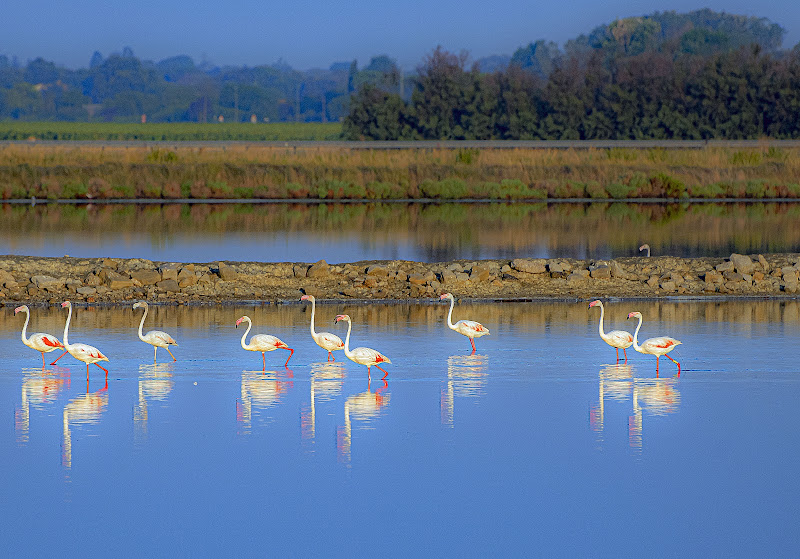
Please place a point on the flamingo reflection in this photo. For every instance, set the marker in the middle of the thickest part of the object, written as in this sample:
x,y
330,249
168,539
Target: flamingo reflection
x,y
466,378
659,396
39,388
155,384
365,407
327,380
83,410
260,390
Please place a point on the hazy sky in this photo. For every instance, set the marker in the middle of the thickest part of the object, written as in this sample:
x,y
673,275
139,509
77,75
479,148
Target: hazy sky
x,y
314,33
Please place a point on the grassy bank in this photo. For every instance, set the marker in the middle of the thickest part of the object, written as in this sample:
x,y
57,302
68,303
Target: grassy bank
x,y
177,131
328,172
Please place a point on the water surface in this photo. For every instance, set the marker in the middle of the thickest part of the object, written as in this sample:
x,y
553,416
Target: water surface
x,y
290,232
539,444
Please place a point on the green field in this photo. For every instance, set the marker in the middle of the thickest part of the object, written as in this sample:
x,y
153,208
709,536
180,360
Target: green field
x,y
178,131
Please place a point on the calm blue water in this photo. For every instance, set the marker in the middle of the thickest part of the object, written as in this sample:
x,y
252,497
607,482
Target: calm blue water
x,y
538,445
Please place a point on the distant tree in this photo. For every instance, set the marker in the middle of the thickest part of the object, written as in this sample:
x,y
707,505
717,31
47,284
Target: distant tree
x,y
96,60
377,115
40,71
539,57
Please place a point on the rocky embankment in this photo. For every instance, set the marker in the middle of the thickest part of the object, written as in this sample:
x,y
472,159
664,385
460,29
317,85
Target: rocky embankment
x,y
113,280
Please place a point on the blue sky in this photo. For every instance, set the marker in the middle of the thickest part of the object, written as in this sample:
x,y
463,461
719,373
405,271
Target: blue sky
x,y
314,34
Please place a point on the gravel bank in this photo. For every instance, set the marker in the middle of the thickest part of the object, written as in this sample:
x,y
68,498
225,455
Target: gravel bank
x,y
119,281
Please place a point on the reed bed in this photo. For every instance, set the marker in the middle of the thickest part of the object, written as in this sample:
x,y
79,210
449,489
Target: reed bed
x,y
334,172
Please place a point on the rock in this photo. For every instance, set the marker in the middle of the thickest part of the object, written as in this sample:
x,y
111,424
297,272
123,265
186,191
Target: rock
x,y
319,269
601,272
115,283
86,291
788,273
713,277
505,268
653,281
576,276
725,266
530,266
480,273
168,285
93,280
48,282
146,277
169,271
461,276
187,281
558,266
227,273
758,276
743,264
448,276
764,263
370,281
732,276
378,270
669,286
300,270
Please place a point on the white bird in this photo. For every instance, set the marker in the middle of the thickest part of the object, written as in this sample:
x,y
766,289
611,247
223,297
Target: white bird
x,y
82,352
362,355
654,346
43,343
468,328
327,341
155,338
616,338
645,247
262,342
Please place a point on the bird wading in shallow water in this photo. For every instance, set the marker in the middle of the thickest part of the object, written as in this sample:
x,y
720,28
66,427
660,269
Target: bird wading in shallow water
x,y
327,341
155,338
43,343
263,342
654,346
619,339
468,328
82,352
362,355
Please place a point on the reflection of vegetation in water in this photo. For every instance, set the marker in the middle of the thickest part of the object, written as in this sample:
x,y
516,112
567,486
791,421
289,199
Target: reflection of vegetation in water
x,y
446,230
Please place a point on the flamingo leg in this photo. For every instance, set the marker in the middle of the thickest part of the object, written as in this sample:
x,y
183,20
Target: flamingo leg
x,y
617,354
264,359
168,351
369,378
472,341
657,358
678,364
385,374
291,352
43,364
59,357
98,364
155,350
625,353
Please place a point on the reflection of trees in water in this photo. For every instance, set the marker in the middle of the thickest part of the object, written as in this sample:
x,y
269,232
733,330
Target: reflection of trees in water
x,y
444,231
466,378
656,396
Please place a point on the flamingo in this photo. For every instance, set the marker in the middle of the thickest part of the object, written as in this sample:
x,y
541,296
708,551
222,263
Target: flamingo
x,y
645,247
325,340
263,342
43,343
468,328
616,338
362,355
654,346
155,338
82,352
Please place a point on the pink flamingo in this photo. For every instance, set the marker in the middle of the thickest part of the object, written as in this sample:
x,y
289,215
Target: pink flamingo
x,y
43,343
468,328
155,338
325,340
654,346
616,338
82,352
362,355
262,342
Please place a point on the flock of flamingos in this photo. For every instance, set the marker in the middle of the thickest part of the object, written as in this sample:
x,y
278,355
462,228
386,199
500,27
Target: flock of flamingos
x,y
369,357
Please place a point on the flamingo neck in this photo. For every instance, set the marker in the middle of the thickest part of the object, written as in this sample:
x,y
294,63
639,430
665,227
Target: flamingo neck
x,y
636,345
249,325
66,327
450,314
313,311
347,339
25,326
600,328
141,324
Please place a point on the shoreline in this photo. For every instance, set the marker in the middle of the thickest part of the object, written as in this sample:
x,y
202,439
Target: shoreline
x,y
117,281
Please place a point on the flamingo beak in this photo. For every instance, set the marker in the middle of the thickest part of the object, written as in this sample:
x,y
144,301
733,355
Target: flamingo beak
x,y
238,322
64,304
304,298
17,310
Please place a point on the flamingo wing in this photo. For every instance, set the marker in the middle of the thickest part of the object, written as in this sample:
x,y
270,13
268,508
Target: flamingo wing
x,y
660,346
471,329
86,353
44,342
368,356
329,341
265,342
159,338
619,339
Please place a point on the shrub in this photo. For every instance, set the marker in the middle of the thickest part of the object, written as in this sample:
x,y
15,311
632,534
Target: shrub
x,y
73,190
447,189
467,156
745,158
618,191
511,189
595,190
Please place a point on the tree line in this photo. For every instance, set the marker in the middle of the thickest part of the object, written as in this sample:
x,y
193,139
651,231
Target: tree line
x,y
700,75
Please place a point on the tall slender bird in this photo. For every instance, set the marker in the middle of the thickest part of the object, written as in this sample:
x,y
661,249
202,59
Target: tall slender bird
x,y
619,339
82,352
155,338
468,328
654,346
327,341
262,342
43,343
362,355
